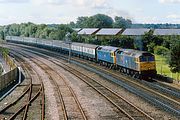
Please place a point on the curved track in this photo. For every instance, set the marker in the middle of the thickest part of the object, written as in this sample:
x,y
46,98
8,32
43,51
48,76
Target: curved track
x,y
66,95
19,108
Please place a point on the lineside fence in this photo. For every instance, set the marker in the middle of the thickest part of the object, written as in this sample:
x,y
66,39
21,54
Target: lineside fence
x,y
10,79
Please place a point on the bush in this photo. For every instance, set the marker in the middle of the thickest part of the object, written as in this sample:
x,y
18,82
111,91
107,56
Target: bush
x,y
160,50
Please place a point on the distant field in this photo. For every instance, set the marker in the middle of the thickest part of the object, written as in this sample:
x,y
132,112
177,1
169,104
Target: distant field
x,y
163,68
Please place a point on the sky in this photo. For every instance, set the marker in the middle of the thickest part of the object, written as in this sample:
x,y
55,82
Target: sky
x,y
64,11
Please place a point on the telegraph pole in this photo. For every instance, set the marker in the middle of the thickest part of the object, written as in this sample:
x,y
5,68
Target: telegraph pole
x,y
68,41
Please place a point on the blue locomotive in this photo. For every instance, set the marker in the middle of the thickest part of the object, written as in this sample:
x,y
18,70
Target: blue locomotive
x,y
139,64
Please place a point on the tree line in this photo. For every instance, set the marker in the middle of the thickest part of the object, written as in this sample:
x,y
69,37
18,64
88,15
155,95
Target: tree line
x,y
58,31
33,30
101,21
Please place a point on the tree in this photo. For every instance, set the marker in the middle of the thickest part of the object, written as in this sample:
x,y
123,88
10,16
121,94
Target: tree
x,y
126,42
121,22
72,25
95,21
100,21
174,62
1,33
147,39
82,22
160,50
150,41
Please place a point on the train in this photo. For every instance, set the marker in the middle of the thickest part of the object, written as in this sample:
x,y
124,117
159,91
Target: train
x,y
138,64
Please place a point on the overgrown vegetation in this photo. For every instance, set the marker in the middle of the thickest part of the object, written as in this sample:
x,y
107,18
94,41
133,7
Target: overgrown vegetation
x,y
163,68
174,61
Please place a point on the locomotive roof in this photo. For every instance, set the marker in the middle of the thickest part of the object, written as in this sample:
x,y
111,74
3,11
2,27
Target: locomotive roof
x,y
135,53
90,46
85,45
77,44
57,41
109,48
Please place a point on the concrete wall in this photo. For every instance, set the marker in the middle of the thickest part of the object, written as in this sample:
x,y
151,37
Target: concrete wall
x,y
10,79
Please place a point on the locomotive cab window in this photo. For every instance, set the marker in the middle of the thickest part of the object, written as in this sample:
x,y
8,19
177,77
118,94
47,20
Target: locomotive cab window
x,y
99,48
119,52
151,58
143,58
146,58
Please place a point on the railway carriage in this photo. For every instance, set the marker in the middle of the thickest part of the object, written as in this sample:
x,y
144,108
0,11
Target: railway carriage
x,y
89,51
14,39
65,47
56,44
77,48
48,44
39,42
29,41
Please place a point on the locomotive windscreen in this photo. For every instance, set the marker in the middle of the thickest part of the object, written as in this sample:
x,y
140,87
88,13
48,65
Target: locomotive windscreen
x,y
147,57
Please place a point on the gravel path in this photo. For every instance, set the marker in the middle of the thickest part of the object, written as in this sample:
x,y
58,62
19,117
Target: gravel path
x,y
50,99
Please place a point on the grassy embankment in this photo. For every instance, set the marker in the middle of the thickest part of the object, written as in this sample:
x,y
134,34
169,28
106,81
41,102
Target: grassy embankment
x,y
163,67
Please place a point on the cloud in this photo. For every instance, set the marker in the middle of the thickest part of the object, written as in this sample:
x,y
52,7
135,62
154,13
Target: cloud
x,y
14,1
48,2
35,19
100,4
173,16
116,12
147,19
169,1
87,2
75,3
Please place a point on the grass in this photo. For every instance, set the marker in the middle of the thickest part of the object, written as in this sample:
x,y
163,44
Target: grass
x,y
162,67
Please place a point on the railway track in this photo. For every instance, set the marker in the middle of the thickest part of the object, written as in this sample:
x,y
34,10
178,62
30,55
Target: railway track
x,y
130,110
66,95
124,106
164,98
167,101
18,109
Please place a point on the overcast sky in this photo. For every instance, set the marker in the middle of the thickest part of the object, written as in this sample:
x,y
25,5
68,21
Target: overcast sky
x,y
64,11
